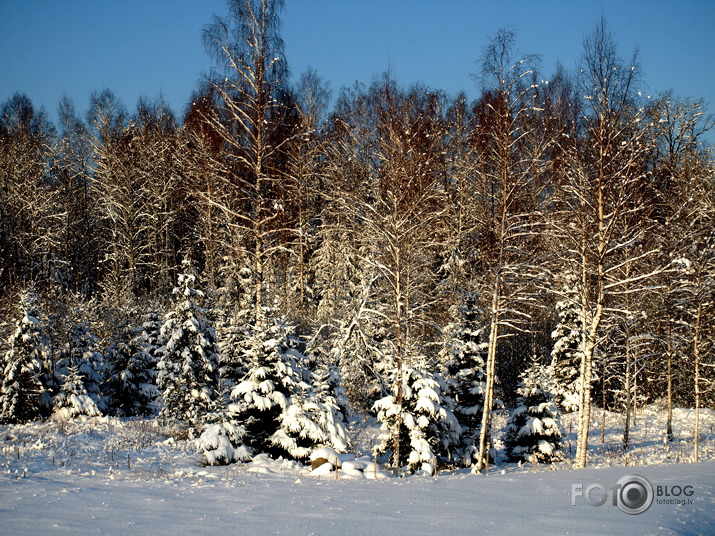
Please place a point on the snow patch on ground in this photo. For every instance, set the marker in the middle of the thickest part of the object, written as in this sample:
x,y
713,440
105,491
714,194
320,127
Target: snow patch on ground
x,y
114,476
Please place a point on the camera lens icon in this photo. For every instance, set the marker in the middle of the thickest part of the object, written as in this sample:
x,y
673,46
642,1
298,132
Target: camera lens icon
x,y
634,494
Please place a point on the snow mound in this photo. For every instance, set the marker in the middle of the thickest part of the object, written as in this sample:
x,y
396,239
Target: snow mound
x,y
331,455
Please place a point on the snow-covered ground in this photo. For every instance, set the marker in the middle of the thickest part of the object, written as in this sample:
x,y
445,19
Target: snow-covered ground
x,y
108,476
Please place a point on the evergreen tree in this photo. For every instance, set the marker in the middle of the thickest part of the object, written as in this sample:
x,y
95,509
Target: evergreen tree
x,y
81,354
188,367
300,430
148,337
232,369
21,390
463,357
148,340
533,431
329,388
222,439
131,386
313,418
264,394
566,353
73,400
428,428
276,409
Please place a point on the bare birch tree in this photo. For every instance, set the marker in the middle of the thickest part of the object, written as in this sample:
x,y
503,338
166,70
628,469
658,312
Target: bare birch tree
x,y
601,201
249,80
508,152
399,208
680,164
27,212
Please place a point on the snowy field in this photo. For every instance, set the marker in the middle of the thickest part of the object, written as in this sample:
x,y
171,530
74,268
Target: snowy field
x,y
108,476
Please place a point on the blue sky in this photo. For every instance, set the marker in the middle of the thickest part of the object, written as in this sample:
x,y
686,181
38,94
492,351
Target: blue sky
x,y
50,48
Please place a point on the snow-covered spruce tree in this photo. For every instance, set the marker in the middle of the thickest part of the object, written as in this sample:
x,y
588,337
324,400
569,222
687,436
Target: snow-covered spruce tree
x,y
231,334
272,410
131,385
80,353
148,337
428,428
147,341
188,368
313,417
263,394
317,409
73,400
232,309
463,357
273,374
276,409
566,352
21,391
328,385
307,423
222,440
533,431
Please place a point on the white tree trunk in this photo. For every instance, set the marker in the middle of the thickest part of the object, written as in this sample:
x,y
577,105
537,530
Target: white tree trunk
x,y
696,358
485,431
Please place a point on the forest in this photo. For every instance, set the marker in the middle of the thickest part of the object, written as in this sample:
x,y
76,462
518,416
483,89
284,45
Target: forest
x,y
276,258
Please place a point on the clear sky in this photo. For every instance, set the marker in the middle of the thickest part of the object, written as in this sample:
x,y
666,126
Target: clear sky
x,y
147,47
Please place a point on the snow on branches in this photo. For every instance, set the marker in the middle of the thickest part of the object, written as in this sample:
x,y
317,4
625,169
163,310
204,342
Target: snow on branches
x,y
533,431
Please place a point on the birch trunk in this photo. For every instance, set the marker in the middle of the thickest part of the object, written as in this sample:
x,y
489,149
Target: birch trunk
x,y
669,367
627,427
696,357
485,430
590,326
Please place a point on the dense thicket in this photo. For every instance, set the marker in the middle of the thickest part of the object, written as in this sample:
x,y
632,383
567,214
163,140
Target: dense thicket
x,y
409,235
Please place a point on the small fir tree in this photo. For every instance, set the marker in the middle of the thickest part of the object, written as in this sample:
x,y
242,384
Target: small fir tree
x,y
149,338
428,428
222,440
278,408
330,392
80,368
21,391
188,368
566,353
463,357
81,353
299,431
232,368
148,341
264,394
73,400
131,386
533,431
313,418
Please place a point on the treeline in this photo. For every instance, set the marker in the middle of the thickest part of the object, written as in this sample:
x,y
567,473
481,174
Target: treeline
x,y
403,233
